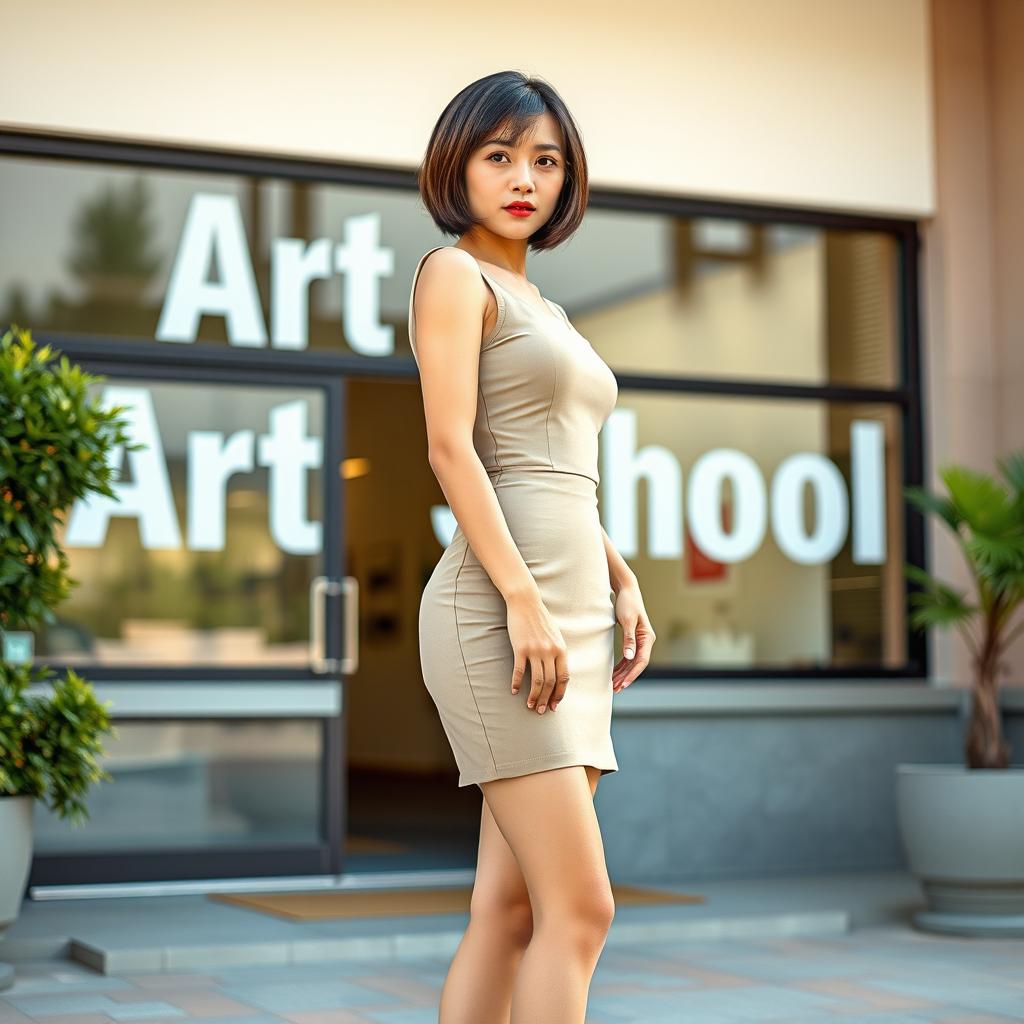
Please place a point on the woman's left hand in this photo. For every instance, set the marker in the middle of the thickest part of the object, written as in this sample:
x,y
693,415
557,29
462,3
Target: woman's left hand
x,y
637,636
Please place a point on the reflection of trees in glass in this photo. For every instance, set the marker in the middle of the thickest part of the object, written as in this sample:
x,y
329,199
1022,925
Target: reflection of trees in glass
x,y
17,308
251,582
112,256
112,235
113,259
202,590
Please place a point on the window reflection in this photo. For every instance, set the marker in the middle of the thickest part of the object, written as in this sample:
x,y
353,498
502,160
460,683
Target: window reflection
x,y
205,577
182,784
91,250
728,299
208,556
766,533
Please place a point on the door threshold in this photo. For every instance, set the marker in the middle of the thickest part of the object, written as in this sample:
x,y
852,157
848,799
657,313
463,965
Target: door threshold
x,y
362,881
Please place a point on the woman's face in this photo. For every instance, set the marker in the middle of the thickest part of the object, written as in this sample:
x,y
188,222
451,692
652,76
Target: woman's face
x,y
532,172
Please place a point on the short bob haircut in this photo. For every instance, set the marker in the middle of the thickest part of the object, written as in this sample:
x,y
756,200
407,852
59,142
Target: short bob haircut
x,y
507,101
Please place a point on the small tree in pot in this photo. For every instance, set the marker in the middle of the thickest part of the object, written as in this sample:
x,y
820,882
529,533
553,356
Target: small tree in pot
x,y
963,826
54,446
987,520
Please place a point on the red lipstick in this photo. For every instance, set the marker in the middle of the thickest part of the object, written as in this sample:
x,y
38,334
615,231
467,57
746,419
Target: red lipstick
x,y
519,208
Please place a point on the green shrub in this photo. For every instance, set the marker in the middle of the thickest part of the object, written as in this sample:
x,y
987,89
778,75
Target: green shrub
x,y
49,745
55,442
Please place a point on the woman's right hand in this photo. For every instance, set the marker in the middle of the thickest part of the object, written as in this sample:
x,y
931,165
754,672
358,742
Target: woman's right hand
x,y
537,640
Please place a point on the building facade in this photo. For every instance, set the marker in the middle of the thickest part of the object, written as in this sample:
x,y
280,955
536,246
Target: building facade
x,y
796,261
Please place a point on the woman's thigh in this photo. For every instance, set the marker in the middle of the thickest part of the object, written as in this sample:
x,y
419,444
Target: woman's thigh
x,y
498,875
540,842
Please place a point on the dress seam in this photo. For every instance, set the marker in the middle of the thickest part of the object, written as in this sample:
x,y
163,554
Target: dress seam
x,y
541,469
489,342
462,654
551,402
487,422
499,321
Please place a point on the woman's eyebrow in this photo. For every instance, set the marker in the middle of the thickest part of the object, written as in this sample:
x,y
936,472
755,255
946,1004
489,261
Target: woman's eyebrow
x,y
508,142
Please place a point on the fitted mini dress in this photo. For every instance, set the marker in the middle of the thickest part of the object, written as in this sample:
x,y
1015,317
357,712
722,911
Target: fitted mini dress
x,y
544,394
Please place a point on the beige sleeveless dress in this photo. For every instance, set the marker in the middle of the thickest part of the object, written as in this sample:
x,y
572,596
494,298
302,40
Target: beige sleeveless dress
x,y
544,394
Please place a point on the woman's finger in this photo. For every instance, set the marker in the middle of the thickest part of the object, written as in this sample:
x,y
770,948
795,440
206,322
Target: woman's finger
x,y
549,685
561,680
517,672
627,670
629,638
536,681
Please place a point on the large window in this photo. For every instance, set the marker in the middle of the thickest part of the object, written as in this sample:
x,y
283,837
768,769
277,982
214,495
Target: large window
x,y
766,532
207,555
716,299
751,472
181,784
768,410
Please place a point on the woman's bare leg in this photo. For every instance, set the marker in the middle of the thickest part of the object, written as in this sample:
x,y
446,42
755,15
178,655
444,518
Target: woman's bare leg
x,y
549,823
478,988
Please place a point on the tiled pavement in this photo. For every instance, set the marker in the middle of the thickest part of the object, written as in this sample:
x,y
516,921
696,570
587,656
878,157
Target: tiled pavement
x,y
877,974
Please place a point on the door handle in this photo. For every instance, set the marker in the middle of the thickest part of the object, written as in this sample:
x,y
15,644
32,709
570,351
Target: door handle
x,y
319,589
350,624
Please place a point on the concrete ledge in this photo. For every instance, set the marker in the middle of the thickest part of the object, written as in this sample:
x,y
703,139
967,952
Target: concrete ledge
x,y
200,699
653,924
162,933
713,697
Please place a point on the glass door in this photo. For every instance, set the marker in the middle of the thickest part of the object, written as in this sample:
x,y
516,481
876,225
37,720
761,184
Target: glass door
x,y
213,609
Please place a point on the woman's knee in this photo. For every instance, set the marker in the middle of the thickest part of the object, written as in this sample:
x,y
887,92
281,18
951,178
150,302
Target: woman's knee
x,y
598,910
583,917
511,916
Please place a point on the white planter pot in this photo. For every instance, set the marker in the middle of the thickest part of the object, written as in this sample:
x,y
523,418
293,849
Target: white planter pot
x,y
15,863
963,833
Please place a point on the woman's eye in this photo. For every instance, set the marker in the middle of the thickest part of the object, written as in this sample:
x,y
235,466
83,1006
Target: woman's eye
x,y
554,163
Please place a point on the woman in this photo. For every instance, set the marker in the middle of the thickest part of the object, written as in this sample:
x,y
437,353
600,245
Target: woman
x,y
517,621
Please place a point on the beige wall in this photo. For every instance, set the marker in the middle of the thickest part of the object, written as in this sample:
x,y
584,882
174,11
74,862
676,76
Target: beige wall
x,y
806,102
973,321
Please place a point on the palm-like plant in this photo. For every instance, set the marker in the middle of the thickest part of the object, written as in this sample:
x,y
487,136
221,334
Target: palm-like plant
x,y
986,516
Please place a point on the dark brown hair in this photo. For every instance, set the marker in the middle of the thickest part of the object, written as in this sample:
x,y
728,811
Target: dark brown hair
x,y
510,101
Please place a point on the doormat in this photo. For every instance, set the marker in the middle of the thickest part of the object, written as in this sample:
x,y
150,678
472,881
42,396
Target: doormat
x,y
313,906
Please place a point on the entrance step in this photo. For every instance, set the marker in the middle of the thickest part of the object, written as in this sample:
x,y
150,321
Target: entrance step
x,y
185,932
160,942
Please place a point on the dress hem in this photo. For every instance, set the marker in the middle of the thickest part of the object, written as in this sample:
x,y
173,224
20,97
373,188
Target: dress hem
x,y
543,763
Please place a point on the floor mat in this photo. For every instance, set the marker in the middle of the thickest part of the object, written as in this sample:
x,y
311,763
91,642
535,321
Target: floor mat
x,y
311,906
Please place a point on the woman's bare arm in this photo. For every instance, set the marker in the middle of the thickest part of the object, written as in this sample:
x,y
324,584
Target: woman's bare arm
x,y
448,305
637,633
619,572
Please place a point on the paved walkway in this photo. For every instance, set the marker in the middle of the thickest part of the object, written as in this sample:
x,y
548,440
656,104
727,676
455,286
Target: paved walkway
x,y
877,974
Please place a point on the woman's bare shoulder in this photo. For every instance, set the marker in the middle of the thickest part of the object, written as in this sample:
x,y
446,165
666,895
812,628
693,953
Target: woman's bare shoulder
x,y
448,263
448,275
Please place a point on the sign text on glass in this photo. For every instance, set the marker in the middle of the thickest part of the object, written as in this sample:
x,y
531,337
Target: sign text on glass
x,y
214,237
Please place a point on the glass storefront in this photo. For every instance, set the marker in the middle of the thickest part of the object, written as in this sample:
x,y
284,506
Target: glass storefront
x,y
112,252
765,531
208,555
182,784
253,320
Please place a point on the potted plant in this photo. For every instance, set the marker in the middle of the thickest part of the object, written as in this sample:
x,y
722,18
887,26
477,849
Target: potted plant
x,y
54,446
962,825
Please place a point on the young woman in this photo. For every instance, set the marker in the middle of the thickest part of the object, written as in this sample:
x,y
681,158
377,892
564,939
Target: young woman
x,y
517,621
